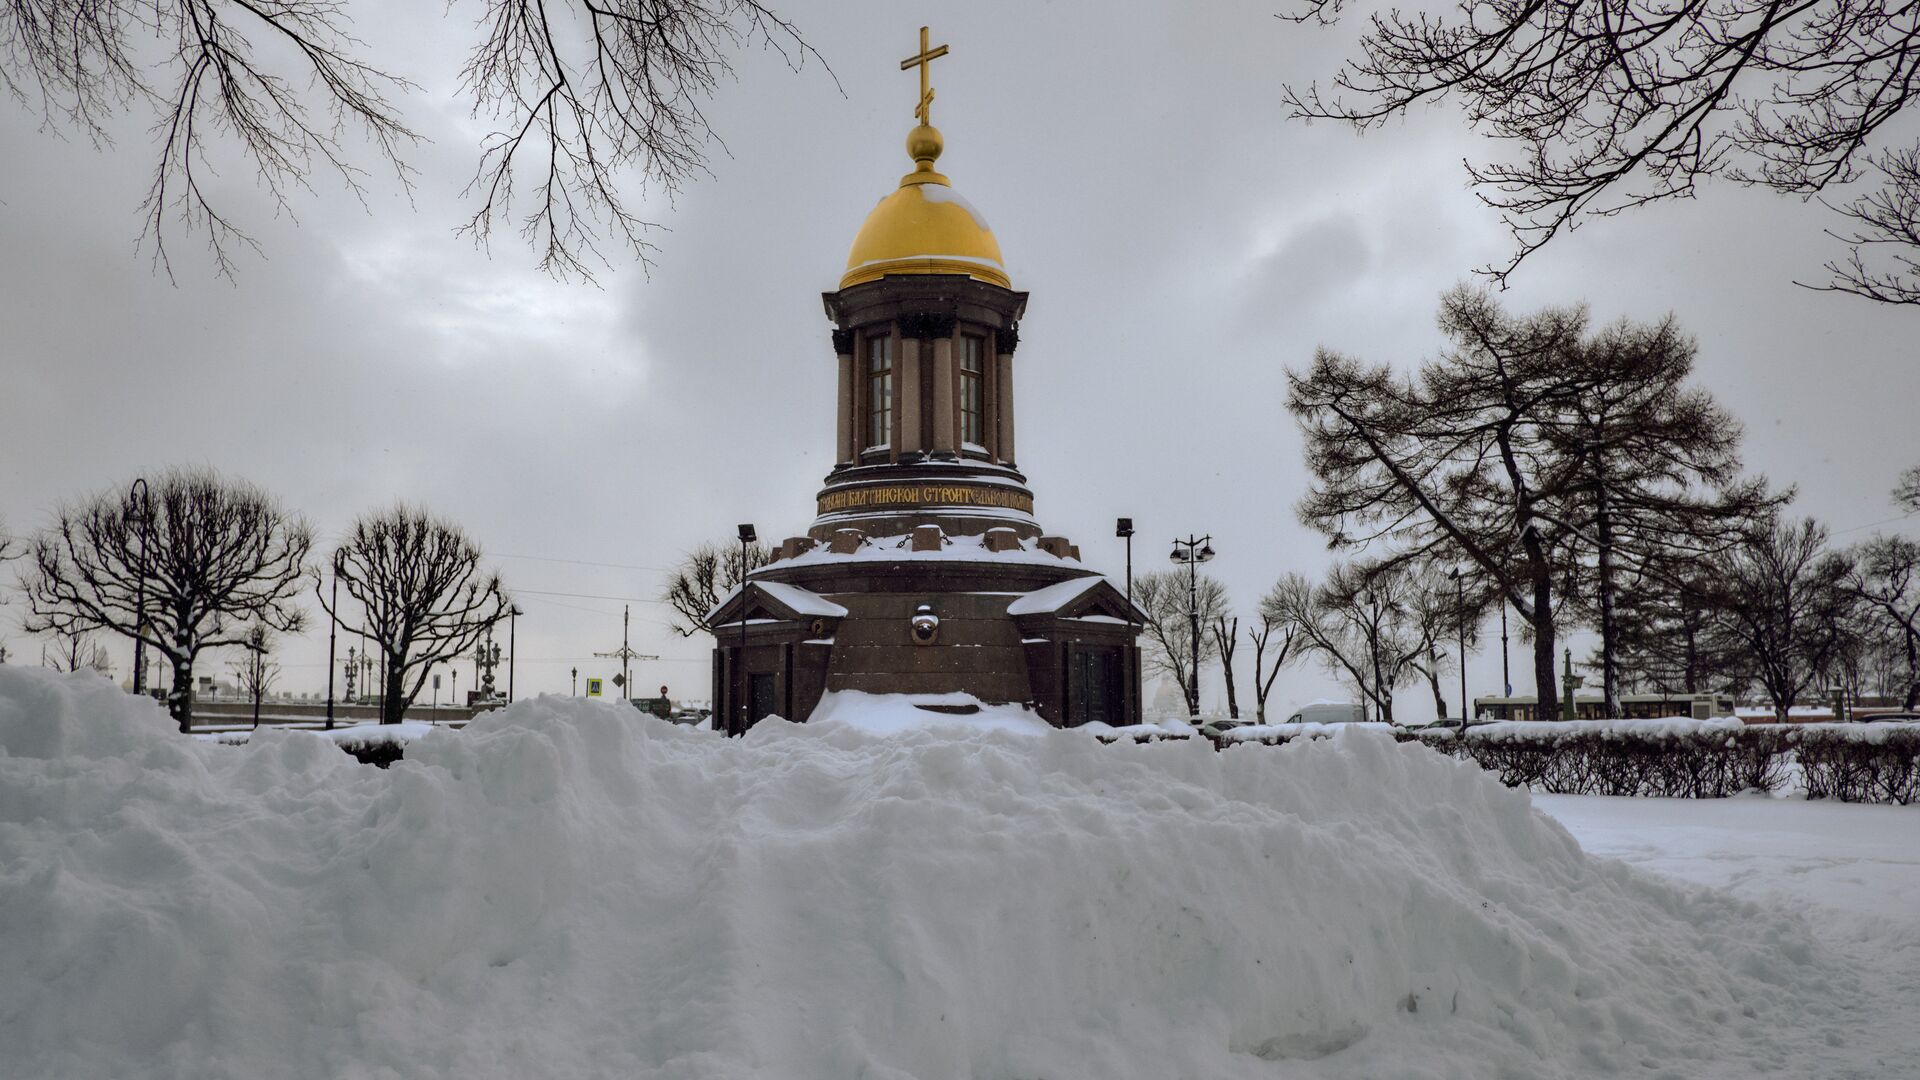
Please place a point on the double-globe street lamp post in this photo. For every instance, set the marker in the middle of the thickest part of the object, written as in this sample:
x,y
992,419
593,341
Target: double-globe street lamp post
x,y
1193,551
333,626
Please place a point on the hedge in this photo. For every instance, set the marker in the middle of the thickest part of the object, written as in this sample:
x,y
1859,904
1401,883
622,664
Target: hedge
x,y
1710,759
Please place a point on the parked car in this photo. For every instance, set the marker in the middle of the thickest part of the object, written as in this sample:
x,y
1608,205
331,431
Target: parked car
x,y
1328,712
1899,717
1218,727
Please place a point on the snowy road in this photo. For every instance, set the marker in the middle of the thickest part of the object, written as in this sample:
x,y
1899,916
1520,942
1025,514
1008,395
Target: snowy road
x,y
1854,870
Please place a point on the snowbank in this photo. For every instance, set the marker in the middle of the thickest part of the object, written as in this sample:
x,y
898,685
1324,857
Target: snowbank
x,y
893,714
568,889
370,734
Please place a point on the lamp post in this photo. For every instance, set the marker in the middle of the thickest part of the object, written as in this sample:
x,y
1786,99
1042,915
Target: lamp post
x,y
1506,676
1193,551
576,682
1460,613
257,646
513,613
333,625
145,502
1123,528
747,536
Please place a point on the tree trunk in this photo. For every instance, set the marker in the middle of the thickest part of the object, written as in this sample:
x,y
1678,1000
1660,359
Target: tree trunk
x,y
1259,687
1913,674
1227,639
180,697
1433,680
1545,681
393,704
1691,629
1609,630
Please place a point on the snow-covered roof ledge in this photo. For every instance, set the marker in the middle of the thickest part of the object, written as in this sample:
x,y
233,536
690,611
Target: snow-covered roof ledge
x,y
1075,599
800,603
1052,598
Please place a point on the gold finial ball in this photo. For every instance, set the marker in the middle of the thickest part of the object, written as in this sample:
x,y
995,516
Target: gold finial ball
x,y
924,144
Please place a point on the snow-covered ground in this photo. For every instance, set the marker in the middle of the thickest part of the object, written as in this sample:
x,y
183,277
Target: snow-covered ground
x,y
568,889
1853,871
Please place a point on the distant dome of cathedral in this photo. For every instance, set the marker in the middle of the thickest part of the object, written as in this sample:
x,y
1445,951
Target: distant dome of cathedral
x,y
925,227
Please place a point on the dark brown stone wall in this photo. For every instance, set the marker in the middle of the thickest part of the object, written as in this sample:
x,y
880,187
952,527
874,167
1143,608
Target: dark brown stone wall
x,y
978,649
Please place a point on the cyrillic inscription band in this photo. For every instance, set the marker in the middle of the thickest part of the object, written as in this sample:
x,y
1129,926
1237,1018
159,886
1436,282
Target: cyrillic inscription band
x,y
914,496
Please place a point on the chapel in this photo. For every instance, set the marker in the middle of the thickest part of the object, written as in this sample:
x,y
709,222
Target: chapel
x,y
925,571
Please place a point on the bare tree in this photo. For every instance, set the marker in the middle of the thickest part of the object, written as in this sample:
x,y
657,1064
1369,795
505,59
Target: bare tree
x,y
253,671
1170,604
1269,633
1784,604
219,554
704,577
75,649
1442,613
585,93
1884,573
1616,105
1906,492
1226,634
11,547
1456,462
422,596
1358,623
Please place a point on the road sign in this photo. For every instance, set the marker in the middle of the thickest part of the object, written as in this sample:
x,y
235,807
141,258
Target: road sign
x,y
436,682
619,680
593,687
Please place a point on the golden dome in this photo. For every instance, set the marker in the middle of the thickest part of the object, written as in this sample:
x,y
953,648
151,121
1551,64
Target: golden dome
x,y
925,227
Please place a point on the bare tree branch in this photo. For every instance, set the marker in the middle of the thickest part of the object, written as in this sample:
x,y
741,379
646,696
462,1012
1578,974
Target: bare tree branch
x,y
1612,106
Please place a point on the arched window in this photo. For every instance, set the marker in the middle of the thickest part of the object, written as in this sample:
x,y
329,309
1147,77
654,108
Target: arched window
x,y
879,392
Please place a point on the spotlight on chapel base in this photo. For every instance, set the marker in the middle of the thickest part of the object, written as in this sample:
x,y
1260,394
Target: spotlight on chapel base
x,y
925,571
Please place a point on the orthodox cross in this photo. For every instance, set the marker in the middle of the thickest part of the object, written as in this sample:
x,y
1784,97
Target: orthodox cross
x,y
923,61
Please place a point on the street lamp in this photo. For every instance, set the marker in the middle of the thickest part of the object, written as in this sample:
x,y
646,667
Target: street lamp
x,y
145,502
257,646
747,536
1193,551
1123,528
333,625
576,682
512,614
1506,675
1460,613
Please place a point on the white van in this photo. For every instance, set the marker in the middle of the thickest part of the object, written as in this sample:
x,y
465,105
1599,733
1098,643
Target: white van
x,y
1329,712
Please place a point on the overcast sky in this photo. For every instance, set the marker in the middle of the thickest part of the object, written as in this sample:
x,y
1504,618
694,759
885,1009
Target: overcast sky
x,y
1184,243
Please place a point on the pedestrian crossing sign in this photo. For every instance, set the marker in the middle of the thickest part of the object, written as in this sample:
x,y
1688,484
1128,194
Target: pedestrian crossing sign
x,y
593,687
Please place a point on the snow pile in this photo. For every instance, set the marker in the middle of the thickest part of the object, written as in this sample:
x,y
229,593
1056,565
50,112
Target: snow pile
x,y
569,889
369,734
893,714
1283,732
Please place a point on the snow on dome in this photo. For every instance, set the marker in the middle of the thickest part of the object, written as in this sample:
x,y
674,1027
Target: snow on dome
x,y
569,889
925,228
